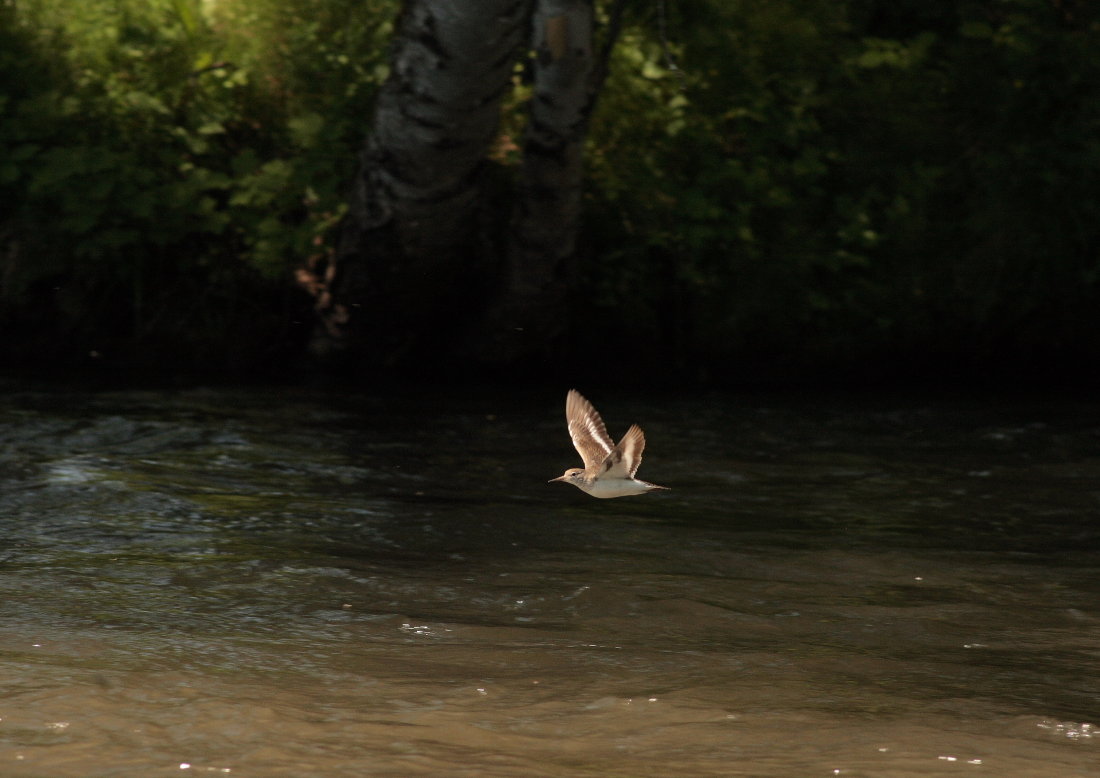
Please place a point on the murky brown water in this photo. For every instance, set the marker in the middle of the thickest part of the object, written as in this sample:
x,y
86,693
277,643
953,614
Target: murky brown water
x,y
302,584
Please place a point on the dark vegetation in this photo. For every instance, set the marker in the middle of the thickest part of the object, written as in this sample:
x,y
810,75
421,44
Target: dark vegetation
x,y
815,186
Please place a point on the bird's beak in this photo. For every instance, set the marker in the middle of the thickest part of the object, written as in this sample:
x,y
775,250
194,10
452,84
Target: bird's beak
x,y
559,478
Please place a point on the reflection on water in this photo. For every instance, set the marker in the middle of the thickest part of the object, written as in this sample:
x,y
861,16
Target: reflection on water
x,y
247,583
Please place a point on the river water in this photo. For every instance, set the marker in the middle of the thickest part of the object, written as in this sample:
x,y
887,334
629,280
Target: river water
x,y
307,583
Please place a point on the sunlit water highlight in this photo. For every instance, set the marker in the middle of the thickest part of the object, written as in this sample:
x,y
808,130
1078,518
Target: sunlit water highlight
x,y
301,583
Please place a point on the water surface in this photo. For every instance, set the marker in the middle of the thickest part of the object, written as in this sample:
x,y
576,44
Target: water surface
x,y
262,583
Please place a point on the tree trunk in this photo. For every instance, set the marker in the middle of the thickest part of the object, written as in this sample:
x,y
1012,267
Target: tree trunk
x,y
529,309
409,237
409,279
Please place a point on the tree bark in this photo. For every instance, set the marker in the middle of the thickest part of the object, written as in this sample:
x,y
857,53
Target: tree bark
x,y
529,309
411,274
408,238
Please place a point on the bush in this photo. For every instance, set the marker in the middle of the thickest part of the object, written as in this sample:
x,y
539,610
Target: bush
x,y
168,168
834,182
816,182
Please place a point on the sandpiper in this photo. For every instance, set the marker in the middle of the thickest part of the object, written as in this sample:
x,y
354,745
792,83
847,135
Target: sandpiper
x,y
608,469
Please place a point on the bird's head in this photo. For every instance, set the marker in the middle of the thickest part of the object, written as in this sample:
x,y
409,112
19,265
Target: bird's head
x,y
574,475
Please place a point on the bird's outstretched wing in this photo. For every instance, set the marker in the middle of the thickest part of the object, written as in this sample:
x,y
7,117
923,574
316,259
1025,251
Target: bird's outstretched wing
x,y
625,458
587,429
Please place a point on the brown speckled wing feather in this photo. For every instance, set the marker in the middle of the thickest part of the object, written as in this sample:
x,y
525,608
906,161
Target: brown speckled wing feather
x,y
587,429
624,460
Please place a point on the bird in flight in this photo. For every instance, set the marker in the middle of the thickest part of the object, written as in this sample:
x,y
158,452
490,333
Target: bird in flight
x,y
608,468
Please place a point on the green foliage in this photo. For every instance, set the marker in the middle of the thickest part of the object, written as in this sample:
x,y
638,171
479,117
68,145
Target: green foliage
x,y
816,179
171,161
831,180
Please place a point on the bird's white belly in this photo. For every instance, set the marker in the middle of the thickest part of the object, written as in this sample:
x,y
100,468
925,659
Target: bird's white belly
x,y
618,487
